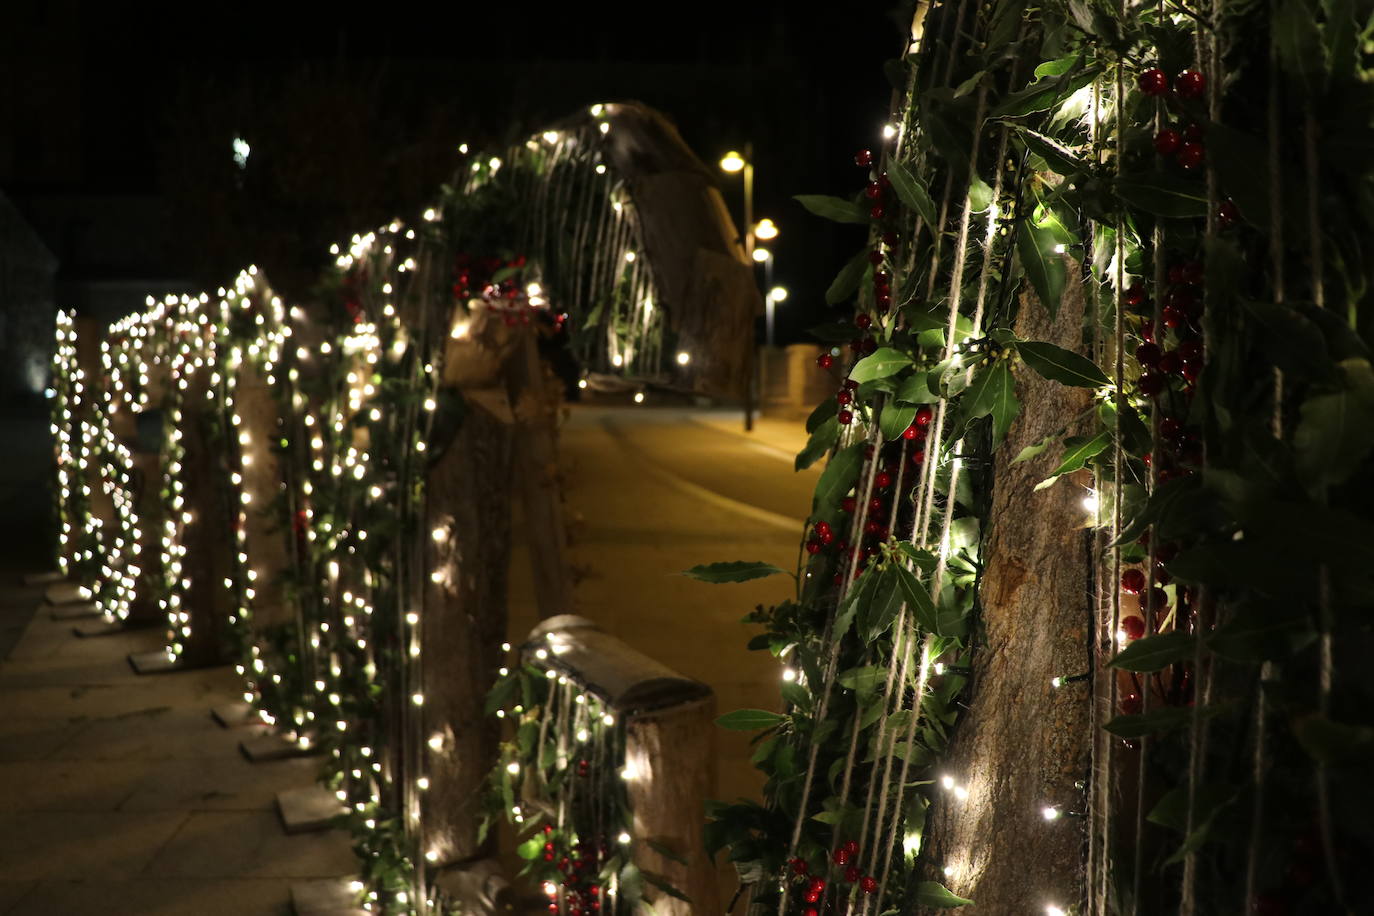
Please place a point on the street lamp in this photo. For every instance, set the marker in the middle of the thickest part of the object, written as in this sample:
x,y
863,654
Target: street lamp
x,y
775,295
733,162
766,230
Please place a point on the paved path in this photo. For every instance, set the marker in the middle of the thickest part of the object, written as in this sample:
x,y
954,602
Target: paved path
x,y
653,491
120,796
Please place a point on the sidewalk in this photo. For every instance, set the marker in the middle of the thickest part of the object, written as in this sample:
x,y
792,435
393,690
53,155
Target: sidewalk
x,y
120,796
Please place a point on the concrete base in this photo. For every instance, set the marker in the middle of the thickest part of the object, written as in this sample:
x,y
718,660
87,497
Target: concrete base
x,y
158,662
44,578
232,715
481,887
308,809
66,593
274,747
101,627
325,897
75,611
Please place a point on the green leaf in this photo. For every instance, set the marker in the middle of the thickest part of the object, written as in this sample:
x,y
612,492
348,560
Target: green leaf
x,y
916,390
1060,365
824,410
1057,155
1172,809
665,851
1294,343
917,598
663,884
825,435
532,848
979,194
863,680
1030,451
836,480
732,571
748,720
876,618
934,894
833,208
1154,653
1299,44
1044,267
912,193
1047,92
1165,195
1336,431
993,393
896,419
881,363
847,281
1078,450
1158,720
1334,742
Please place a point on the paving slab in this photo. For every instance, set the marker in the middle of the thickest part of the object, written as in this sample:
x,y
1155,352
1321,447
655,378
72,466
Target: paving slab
x,y
154,733
37,737
224,782
148,897
82,844
324,897
67,785
306,809
250,844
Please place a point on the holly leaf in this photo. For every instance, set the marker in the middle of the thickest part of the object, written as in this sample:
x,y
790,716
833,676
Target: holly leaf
x,y
825,409
833,208
1047,92
846,282
917,598
934,894
733,571
748,720
1079,450
1335,433
895,419
663,884
1044,266
1166,718
1164,195
1057,155
916,390
532,848
1327,741
824,436
836,480
1154,653
912,193
881,363
993,392
878,614
1060,365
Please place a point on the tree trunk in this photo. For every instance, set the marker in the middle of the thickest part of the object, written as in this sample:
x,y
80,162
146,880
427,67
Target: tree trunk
x,y
265,535
1023,744
206,538
463,626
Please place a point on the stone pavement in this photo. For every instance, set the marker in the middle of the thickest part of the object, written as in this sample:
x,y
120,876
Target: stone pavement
x,y
121,796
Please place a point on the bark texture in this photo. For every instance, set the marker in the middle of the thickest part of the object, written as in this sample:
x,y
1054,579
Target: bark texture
x,y
1023,744
207,561
464,624
263,481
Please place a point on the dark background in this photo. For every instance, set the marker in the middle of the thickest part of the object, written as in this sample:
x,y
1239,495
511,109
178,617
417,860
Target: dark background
x,y
118,121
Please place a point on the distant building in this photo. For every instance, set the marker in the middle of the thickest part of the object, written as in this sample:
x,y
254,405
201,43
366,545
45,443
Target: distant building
x,y
27,307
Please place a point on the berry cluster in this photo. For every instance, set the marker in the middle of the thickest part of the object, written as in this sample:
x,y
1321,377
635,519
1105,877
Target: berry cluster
x,y
843,858
579,864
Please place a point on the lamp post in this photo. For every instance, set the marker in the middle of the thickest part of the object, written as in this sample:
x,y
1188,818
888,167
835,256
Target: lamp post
x,y
775,295
731,163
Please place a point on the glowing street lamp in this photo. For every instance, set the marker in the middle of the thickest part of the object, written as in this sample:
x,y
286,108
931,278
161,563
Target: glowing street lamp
x,y
766,230
732,162
775,295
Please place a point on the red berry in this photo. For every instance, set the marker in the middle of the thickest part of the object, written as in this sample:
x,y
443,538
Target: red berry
x,y
817,885
869,885
1135,293
1133,627
1157,600
812,897
1193,132
823,528
1151,384
851,874
843,398
1190,84
848,504
1133,581
1190,373
853,847
825,360
1130,704
875,504
873,191
877,212
863,158
548,828
1175,273
890,239
1190,155
1227,214
875,257
1147,354
1167,141
1172,316
923,416
883,480
845,417
910,433
841,855
1190,350
1166,552
862,321
1170,428
1170,363
918,456
851,384
812,911
1154,82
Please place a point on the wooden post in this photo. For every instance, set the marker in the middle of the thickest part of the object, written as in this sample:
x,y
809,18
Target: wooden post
x,y
263,480
669,739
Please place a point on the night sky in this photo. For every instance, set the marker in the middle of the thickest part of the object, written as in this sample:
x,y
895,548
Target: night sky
x,y
807,90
